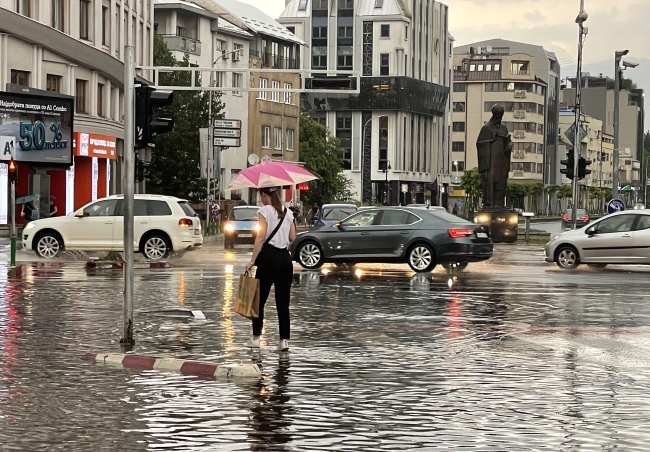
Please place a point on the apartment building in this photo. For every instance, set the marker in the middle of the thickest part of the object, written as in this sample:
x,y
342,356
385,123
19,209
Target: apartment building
x,y
524,79
60,50
395,132
233,35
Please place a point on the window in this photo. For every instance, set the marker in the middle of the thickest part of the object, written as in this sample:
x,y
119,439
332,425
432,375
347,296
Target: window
x,y
406,33
158,208
383,143
23,7
84,19
379,3
346,4
263,85
238,51
104,208
319,58
520,68
319,5
180,31
365,218
106,26
100,99
488,68
302,6
291,30
643,223
266,137
290,135
275,96
480,68
20,77
459,107
319,31
237,79
397,218
460,87
287,94
80,96
345,62
384,64
53,83
459,127
458,146
57,15
619,223
459,166
277,138
385,31
345,32
344,134
472,67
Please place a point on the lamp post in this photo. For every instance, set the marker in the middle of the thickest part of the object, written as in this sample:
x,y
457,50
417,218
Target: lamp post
x,y
366,162
387,168
580,20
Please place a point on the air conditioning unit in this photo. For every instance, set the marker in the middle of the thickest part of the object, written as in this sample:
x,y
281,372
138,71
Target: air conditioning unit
x,y
520,94
519,114
519,134
224,54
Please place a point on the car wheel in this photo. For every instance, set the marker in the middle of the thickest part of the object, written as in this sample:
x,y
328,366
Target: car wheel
x,y
47,246
452,267
567,257
421,258
310,256
155,247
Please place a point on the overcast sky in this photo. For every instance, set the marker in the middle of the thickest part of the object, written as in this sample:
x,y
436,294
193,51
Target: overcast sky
x,y
613,25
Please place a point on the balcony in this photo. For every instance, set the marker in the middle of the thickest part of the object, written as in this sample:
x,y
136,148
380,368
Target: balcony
x,y
292,63
271,60
182,44
519,114
519,134
520,94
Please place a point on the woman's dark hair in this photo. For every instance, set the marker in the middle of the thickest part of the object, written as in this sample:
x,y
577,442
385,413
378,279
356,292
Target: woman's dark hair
x,y
276,202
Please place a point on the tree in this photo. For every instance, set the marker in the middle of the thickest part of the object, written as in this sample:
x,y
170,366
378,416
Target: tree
x,y
471,183
551,190
625,83
175,160
322,155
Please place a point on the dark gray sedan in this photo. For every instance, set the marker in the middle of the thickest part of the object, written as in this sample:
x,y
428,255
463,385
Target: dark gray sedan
x,y
422,238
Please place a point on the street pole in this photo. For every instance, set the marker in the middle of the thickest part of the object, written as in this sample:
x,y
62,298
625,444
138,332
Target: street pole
x,y
208,207
13,223
580,20
617,81
129,188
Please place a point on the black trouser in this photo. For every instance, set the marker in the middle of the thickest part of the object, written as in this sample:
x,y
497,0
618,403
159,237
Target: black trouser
x,y
274,267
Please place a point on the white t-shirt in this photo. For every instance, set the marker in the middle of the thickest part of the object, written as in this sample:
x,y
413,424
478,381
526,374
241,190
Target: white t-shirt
x,y
281,238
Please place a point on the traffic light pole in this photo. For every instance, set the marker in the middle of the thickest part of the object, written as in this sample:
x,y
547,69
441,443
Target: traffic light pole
x,y
577,139
129,189
13,224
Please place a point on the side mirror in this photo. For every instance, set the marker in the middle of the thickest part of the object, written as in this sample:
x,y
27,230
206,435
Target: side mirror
x,y
80,214
591,231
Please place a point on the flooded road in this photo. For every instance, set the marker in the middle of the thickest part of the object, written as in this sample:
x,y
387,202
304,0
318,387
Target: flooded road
x,y
511,354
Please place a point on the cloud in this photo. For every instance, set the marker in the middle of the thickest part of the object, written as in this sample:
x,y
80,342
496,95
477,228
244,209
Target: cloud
x,y
535,16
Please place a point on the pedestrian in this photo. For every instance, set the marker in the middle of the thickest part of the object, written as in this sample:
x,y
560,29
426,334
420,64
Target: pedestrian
x,y
454,210
273,261
29,212
53,209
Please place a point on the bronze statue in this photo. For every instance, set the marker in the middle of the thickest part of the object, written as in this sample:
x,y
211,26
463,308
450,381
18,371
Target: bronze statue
x,y
494,147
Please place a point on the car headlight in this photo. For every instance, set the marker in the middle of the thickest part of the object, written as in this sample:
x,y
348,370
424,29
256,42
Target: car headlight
x,y
229,228
28,227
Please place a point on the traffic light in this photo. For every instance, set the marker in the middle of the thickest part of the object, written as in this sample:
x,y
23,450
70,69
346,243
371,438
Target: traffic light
x,y
141,170
147,124
583,163
13,171
568,165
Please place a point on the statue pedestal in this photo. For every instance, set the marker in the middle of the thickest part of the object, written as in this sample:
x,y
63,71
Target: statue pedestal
x,y
502,221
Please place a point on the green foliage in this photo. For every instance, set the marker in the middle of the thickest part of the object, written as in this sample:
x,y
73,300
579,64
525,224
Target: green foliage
x,y
175,160
565,192
473,186
552,189
625,83
322,155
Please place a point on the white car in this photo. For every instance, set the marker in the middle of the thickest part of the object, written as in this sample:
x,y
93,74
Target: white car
x,y
619,238
162,224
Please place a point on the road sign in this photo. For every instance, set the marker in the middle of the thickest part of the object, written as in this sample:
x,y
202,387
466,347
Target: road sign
x,y
232,142
615,205
571,132
226,133
227,123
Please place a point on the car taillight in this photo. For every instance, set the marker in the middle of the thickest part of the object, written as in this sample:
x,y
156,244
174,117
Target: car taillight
x,y
185,223
566,217
585,218
458,233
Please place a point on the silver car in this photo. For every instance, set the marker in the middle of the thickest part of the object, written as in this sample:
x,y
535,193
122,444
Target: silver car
x,y
619,238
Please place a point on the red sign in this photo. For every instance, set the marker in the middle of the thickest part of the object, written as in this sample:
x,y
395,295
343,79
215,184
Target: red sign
x,y
93,145
303,187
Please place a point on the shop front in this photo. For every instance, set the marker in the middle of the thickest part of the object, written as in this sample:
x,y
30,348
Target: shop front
x,y
90,177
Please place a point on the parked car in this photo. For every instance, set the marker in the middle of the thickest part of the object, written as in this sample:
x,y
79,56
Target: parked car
x,y
241,226
422,238
619,238
162,224
582,218
331,214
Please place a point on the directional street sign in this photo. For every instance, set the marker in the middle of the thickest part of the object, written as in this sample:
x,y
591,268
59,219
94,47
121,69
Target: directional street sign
x,y
615,205
227,123
232,142
226,133
571,133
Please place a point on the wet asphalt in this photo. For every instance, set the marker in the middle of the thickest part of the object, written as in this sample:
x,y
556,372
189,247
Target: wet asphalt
x,y
512,354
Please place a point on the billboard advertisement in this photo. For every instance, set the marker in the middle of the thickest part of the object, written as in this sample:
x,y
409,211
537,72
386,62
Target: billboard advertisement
x,y
36,128
93,145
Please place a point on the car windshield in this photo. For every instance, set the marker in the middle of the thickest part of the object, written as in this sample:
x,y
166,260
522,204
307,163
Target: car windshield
x,y
449,218
338,213
244,214
187,209
579,212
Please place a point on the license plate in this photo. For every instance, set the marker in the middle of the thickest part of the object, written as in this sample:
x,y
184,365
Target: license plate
x,y
482,235
244,235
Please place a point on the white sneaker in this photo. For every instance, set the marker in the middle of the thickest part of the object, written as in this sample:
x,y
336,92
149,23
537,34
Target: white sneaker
x,y
253,343
283,346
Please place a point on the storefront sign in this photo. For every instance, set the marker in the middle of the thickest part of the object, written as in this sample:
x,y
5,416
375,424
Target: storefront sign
x,y
93,145
36,128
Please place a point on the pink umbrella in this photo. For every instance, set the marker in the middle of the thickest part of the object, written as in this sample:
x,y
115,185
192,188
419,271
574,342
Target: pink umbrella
x,y
270,174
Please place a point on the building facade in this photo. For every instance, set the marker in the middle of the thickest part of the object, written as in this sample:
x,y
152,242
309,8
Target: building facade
x,y
522,78
75,49
233,35
394,132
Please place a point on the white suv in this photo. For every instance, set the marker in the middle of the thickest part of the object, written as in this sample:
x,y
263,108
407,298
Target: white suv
x,y
162,224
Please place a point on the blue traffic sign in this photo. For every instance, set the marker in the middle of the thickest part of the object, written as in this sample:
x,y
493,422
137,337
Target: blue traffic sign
x,y
615,205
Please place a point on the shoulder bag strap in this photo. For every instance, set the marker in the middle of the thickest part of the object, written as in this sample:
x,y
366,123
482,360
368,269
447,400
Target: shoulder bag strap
x,y
277,228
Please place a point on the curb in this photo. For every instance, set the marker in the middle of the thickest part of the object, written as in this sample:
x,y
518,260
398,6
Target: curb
x,y
117,265
184,367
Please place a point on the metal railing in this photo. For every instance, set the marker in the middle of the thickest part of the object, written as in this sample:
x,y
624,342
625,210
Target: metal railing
x,y
182,44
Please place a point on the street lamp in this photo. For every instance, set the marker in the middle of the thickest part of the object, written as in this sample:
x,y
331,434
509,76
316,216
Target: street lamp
x,y
366,162
386,169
